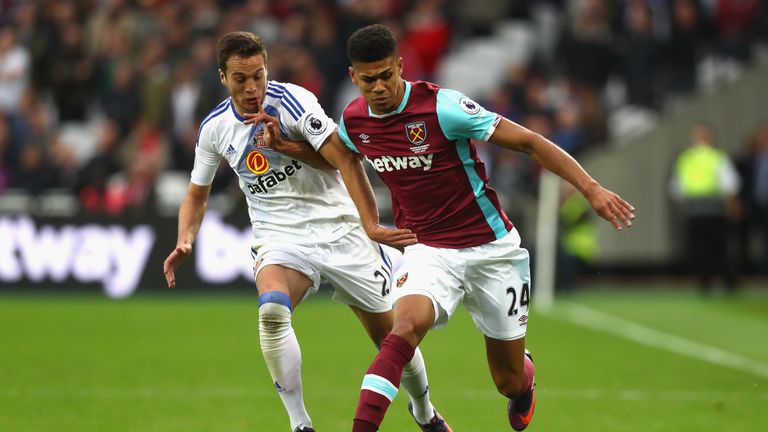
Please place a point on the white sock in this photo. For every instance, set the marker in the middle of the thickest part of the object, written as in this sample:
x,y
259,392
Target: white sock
x,y
282,355
415,383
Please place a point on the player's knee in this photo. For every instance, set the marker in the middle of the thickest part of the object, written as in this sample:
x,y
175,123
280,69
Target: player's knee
x,y
411,330
408,321
274,316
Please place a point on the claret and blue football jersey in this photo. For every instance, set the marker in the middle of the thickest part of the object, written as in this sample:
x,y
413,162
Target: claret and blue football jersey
x,y
423,152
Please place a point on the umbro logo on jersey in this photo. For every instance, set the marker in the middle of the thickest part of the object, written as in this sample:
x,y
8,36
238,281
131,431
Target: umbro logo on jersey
x,y
230,150
366,139
397,163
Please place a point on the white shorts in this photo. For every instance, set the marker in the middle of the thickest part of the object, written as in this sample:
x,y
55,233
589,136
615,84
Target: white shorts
x,y
492,280
358,269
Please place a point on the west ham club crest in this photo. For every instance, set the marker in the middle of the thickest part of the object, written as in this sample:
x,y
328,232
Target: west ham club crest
x,y
416,132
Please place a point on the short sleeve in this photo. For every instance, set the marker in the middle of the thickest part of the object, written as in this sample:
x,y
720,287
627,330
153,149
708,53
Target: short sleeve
x,y
206,158
345,136
461,117
312,123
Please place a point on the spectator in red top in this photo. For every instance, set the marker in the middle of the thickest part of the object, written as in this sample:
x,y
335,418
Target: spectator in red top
x,y
735,21
429,33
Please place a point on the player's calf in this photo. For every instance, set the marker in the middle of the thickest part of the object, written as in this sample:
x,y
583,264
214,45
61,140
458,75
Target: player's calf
x,y
381,383
520,409
282,354
511,382
278,339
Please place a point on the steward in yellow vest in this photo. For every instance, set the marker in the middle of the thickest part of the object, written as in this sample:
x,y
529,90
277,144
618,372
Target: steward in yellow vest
x,y
706,183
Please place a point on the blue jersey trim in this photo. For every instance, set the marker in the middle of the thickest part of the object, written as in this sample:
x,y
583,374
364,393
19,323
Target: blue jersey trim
x,y
492,216
278,297
295,101
275,89
293,106
342,132
216,111
224,102
234,111
291,103
275,85
292,109
400,108
288,107
222,107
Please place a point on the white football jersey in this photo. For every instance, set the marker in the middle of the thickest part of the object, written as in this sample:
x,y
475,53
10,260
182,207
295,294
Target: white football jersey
x,y
288,200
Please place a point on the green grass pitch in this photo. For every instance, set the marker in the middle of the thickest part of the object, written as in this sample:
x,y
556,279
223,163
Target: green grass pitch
x,y
655,361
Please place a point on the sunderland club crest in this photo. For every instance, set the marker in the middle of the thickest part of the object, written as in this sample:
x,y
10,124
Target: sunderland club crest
x,y
257,139
416,132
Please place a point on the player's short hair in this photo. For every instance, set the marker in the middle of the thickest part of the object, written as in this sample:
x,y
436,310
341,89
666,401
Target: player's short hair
x,y
371,43
239,43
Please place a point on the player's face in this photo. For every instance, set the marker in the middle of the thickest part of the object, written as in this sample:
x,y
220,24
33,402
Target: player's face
x,y
246,81
380,83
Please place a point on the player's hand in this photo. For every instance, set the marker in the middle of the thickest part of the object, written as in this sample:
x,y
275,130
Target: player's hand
x,y
260,116
174,261
611,207
396,238
271,137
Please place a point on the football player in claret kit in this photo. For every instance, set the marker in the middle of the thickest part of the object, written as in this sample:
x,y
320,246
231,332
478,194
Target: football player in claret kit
x,y
305,225
418,137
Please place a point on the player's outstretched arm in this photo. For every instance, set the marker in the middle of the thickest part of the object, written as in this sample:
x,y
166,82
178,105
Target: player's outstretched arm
x,y
300,150
607,204
191,215
350,167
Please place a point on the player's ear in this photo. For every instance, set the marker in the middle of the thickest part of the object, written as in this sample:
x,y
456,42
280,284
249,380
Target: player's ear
x,y
399,66
222,77
352,75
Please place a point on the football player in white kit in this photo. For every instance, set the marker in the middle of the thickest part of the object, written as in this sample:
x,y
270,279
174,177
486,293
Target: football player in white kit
x,y
305,226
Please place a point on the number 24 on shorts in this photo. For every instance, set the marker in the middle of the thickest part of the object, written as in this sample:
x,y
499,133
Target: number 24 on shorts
x,y
525,298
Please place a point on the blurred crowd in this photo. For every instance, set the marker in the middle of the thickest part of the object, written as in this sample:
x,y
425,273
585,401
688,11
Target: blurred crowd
x,y
101,97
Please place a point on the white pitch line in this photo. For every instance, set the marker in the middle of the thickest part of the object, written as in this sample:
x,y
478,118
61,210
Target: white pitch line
x,y
631,395
606,323
652,395
671,395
